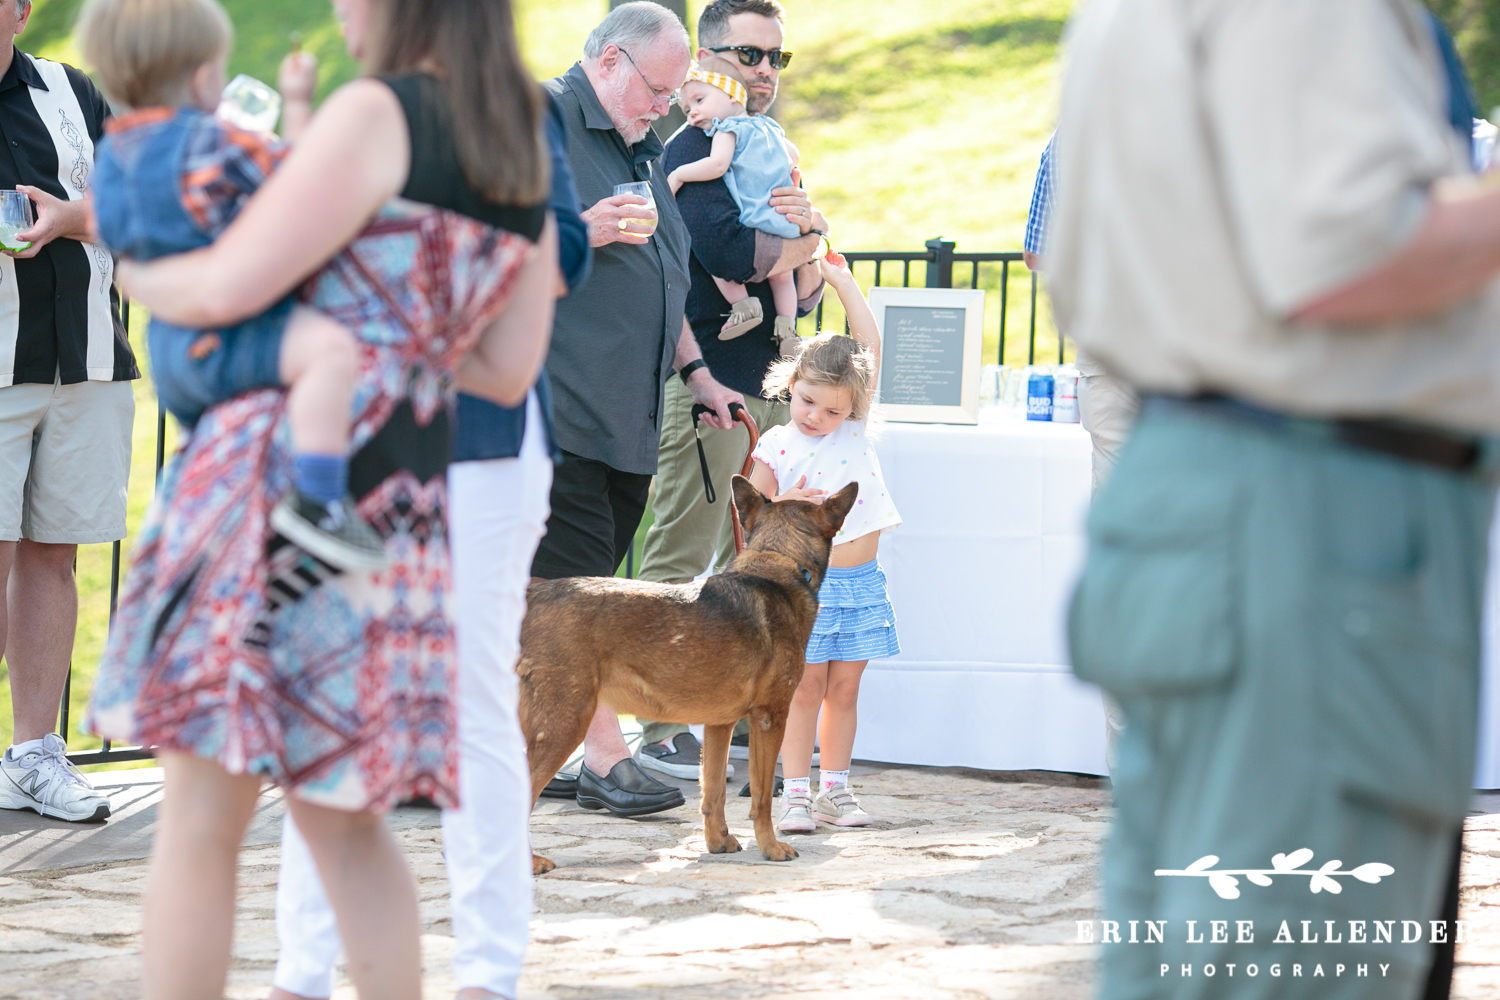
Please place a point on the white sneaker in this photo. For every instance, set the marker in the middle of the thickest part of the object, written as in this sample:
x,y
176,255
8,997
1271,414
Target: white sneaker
x,y
796,813
42,779
837,805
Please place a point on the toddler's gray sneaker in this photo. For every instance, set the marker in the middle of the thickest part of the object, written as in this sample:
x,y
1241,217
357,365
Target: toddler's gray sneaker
x,y
837,805
334,533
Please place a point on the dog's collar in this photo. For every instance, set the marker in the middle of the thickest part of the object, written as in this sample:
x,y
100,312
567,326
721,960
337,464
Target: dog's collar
x,y
803,570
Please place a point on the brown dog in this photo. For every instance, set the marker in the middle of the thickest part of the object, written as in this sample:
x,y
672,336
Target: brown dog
x,y
714,652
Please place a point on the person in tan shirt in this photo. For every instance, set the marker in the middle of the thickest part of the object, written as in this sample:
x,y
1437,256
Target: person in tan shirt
x,y
1264,224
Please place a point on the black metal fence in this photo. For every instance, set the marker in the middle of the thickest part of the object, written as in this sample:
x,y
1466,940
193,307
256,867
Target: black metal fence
x,y
941,258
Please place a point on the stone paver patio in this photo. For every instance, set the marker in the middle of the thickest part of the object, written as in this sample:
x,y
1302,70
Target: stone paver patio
x,y
968,888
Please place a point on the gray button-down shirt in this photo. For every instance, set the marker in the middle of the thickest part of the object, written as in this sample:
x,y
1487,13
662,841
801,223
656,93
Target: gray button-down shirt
x,y
615,337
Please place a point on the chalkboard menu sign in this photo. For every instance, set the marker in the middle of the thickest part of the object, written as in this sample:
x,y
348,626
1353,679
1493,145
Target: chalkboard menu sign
x,y
930,344
924,356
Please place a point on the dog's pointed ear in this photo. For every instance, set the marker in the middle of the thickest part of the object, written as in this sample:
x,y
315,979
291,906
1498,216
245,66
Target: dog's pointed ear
x,y
749,502
837,507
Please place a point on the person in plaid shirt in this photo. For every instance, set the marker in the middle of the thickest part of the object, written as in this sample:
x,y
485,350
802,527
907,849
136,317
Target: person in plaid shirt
x,y
170,177
1040,212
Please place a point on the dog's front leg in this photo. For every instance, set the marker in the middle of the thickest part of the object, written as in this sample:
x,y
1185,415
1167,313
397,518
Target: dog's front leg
x,y
711,781
554,719
766,730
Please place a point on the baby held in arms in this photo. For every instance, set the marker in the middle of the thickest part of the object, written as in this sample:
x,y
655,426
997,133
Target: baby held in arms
x,y
754,156
169,178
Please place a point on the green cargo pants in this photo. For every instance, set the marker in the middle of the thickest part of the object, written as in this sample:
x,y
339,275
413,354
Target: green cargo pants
x,y
688,531
1292,628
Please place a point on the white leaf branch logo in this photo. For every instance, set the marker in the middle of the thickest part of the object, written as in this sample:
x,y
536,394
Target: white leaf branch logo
x,y
1323,879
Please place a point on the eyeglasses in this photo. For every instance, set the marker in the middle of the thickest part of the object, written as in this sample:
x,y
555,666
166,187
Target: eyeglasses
x,y
657,96
751,55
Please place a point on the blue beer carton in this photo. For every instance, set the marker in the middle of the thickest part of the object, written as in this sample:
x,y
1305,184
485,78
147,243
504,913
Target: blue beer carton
x,y
1039,397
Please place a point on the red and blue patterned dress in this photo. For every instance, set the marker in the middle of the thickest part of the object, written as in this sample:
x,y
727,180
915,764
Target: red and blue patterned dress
x,y
346,700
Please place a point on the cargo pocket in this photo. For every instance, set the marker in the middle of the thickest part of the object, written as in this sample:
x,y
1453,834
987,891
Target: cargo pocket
x,y
1155,610
1397,691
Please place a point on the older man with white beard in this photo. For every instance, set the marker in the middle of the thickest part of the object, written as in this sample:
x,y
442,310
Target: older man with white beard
x,y
617,340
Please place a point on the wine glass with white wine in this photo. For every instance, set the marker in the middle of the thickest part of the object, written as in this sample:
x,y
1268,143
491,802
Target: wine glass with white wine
x,y
641,189
15,218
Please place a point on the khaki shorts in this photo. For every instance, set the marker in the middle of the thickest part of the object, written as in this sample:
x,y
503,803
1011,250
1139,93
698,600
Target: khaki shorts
x,y
64,461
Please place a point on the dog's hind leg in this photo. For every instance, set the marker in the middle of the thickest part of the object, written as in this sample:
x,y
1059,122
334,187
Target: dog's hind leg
x,y
766,729
553,727
711,781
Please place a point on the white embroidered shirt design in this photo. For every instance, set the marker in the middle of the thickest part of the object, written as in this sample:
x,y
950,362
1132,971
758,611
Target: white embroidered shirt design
x,y
830,463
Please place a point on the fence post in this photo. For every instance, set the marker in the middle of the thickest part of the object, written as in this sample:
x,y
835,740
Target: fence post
x,y
940,268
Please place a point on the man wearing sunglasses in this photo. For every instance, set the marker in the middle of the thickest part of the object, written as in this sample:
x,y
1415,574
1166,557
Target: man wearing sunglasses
x,y
744,37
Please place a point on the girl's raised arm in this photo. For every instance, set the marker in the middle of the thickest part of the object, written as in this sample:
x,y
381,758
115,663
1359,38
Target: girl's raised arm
x,y
354,157
862,325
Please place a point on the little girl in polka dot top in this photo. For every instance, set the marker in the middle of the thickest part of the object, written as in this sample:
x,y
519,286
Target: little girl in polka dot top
x,y
830,384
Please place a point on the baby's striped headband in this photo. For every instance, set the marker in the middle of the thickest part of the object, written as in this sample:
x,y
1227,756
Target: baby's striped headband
x,y
728,84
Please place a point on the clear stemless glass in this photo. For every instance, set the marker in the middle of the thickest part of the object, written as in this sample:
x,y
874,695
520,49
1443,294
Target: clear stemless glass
x,y
991,385
15,217
250,104
640,189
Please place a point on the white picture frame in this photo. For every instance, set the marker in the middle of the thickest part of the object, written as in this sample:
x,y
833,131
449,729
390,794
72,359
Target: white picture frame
x,y
931,340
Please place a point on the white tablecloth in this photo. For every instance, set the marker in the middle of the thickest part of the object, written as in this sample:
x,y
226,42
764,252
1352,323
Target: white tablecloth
x,y
980,572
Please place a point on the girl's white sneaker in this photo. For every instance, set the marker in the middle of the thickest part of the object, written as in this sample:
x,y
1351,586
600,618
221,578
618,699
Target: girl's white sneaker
x,y
796,813
837,805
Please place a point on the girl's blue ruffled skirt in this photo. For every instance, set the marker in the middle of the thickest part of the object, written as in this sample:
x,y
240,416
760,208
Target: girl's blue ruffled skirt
x,y
855,618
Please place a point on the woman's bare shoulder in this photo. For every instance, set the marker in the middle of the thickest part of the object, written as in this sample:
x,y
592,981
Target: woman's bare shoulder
x,y
364,98
360,134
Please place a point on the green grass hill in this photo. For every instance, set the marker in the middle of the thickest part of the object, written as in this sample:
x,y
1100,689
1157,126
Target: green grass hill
x,y
915,117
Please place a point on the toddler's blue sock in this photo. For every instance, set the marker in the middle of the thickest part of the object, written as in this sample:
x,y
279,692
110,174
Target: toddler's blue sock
x,y
324,478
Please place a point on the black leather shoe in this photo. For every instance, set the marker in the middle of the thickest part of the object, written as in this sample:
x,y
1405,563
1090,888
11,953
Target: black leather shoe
x,y
562,786
626,790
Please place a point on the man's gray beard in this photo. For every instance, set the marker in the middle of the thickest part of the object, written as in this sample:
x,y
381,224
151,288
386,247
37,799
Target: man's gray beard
x,y
611,101
757,105
631,140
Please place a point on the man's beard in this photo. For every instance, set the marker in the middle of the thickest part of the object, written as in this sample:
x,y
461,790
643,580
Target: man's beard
x,y
631,130
756,104
636,132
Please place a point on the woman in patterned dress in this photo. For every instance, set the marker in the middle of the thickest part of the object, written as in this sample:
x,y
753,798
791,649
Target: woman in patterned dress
x,y
343,697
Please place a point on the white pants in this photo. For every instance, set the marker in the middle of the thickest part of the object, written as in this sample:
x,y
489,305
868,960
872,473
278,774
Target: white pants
x,y
1108,407
497,512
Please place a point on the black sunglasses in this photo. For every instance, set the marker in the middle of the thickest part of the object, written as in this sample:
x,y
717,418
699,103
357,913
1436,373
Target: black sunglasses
x,y
751,55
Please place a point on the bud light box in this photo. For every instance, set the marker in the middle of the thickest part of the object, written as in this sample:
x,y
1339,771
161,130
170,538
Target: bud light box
x,y
1039,397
